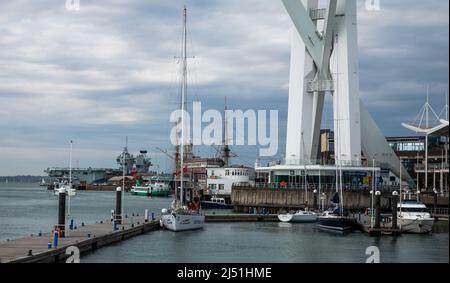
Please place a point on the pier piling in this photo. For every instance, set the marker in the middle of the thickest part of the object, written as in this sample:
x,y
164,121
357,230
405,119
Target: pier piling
x,y
377,209
62,212
146,215
394,209
118,211
315,200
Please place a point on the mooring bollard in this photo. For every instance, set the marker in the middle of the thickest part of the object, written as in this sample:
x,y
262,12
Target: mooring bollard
x,y
82,224
89,235
153,216
55,239
118,212
394,209
378,209
62,212
146,215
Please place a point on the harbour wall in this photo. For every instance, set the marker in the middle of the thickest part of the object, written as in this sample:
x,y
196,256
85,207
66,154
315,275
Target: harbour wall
x,y
270,200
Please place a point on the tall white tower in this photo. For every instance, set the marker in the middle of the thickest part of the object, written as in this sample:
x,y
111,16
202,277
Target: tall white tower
x,y
324,59
328,62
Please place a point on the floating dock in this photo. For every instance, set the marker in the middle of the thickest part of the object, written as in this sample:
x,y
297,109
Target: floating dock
x,y
35,248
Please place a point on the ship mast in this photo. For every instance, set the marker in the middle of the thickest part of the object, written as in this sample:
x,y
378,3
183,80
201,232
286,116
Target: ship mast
x,y
183,100
226,148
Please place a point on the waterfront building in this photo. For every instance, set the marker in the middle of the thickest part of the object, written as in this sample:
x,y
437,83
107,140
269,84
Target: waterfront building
x,y
220,180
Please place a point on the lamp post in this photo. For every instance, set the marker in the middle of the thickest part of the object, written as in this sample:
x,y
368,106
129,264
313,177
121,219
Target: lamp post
x,y
394,209
371,210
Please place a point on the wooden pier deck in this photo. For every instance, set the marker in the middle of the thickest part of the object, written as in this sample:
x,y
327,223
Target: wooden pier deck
x,y
91,237
87,238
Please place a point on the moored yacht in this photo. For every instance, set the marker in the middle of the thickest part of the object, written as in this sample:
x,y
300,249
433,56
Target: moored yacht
x,y
336,220
300,216
413,217
183,216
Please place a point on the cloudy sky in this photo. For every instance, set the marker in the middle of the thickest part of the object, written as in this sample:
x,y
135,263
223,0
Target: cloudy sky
x,y
108,71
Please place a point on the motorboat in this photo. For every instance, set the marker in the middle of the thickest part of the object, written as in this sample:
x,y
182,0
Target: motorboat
x,y
413,217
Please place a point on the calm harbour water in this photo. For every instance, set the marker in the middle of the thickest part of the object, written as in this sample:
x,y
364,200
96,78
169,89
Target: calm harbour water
x,y
27,209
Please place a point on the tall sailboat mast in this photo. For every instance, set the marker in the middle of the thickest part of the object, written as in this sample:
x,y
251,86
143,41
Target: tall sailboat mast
x,y
70,177
183,100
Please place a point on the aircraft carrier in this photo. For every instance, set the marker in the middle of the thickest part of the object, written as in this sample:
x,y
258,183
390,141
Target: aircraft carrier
x,y
88,176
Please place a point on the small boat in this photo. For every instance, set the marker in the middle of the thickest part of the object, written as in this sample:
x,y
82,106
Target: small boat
x,y
414,218
300,216
336,220
159,189
69,191
215,203
156,188
140,191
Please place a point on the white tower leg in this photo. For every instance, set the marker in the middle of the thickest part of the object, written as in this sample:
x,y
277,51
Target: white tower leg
x,y
345,72
305,108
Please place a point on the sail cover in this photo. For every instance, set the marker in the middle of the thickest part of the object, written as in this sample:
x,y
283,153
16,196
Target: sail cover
x,y
335,198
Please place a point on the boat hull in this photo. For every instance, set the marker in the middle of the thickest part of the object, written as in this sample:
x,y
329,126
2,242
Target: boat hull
x,y
214,205
340,224
182,222
159,193
70,193
297,218
416,226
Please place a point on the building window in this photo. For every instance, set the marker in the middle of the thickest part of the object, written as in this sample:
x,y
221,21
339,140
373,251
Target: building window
x,y
221,187
227,172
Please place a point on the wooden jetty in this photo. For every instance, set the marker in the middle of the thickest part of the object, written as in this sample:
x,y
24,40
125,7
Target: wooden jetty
x,y
88,238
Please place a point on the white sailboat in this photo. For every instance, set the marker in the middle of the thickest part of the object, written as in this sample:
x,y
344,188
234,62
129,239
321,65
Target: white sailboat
x,y
300,216
181,217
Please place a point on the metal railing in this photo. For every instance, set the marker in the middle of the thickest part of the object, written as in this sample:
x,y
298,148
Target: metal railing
x,y
323,186
435,166
438,211
342,163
